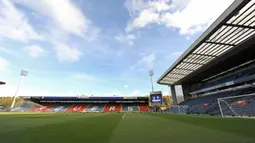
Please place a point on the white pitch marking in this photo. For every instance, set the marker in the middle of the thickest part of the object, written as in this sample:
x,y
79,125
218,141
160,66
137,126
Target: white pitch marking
x,y
124,115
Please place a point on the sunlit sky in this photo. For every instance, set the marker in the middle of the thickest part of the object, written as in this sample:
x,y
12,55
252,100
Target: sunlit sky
x,y
96,47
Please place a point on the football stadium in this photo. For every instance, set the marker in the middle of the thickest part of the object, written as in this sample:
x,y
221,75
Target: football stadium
x,y
217,75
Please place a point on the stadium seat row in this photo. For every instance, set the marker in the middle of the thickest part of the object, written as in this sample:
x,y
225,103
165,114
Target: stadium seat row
x,y
85,108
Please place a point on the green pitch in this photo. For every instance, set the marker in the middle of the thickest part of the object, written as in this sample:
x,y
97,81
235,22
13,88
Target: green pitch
x,y
114,128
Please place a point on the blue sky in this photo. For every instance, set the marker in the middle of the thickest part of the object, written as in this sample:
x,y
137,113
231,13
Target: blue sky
x,y
96,47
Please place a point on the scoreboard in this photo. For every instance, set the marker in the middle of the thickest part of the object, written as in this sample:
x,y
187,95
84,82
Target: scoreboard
x,y
156,98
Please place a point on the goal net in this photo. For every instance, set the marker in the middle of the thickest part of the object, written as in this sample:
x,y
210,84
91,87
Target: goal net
x,y
237,106
178,109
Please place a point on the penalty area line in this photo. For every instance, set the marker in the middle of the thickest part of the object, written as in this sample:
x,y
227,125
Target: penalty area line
x,y
124,115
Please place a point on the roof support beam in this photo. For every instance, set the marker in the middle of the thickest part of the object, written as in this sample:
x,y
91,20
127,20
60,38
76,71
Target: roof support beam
x,y
178,73
171,79
239,26
168,77
193,63
229,13
198,58
203,55
184,69
219,43
167,81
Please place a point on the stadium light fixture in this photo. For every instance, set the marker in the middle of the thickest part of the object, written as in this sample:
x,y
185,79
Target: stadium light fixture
x,y
1,82
151,74
23,73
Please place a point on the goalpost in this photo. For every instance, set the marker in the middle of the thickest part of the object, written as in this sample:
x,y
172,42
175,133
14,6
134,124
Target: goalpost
x,y
178,109
237,106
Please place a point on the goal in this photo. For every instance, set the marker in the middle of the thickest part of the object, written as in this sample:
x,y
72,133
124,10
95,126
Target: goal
x,y
178,109
237,106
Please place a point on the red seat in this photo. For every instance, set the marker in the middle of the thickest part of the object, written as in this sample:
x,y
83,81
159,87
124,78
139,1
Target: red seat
x,y
143,108
77,108
112,108
44,108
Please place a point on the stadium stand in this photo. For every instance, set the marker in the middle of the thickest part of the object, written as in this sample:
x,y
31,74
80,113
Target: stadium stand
x,y
77,108
60,107
143,108
130,108
217,72
2,109
112,108
43,108
95,108
234,83
89,104
238,81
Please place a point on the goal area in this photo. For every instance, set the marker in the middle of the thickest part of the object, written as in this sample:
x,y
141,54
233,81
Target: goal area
x,y
242,106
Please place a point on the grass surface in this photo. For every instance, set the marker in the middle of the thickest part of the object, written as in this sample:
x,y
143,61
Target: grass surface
x,y
112,128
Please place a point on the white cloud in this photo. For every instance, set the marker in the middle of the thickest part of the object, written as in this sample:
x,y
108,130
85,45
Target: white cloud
x,y
64,15
134,6
126,86
178,5
196,16
4,64
174,55
189,16
129,38
144,13
63,18
66,53
35,51
146,17
14,24
147,61
159,5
